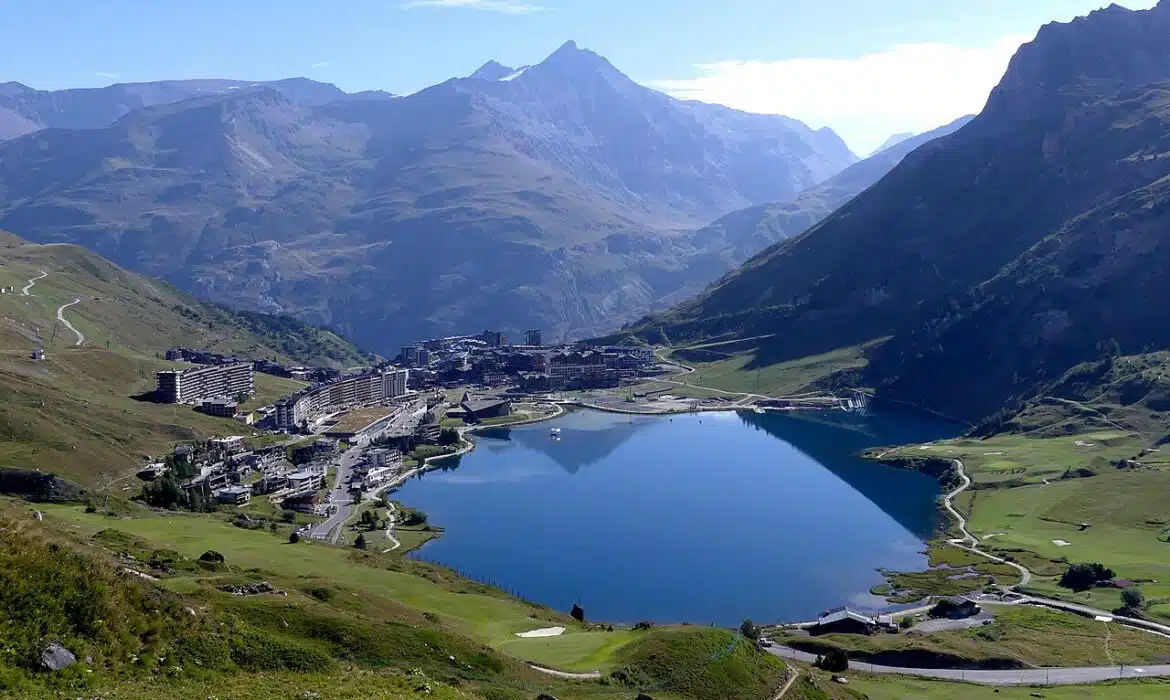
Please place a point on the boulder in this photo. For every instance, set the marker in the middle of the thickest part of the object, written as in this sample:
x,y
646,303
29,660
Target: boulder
x,y
55,657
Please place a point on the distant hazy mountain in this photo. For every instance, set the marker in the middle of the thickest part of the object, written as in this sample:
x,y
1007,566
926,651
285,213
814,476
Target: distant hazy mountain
x,y
999,256
734,238
492,71
892,141
24,110
553,197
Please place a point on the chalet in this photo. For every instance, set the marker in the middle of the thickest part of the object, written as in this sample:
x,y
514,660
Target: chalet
x,y
305,502
955,607
844,621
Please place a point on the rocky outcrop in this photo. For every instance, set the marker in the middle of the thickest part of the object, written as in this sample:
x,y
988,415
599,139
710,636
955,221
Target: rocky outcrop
x,y
246,589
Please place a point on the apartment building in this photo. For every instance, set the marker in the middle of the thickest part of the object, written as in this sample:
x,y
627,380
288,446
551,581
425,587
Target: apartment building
x,y
198,383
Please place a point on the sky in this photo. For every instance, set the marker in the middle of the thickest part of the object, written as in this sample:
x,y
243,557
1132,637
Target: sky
x,y
866,69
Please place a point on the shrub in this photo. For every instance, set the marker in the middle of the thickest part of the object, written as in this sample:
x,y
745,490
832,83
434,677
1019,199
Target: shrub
x,y
360,542
835,660
211,556
90,508
322,593
1082,577
749,629
293,538
289,516
1133,598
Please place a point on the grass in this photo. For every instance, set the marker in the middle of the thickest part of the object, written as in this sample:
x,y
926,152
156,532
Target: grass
x,y
733,367
903,688
488,617
342,623
581,651
73,414
1012,459
705,664
1125,513
1020,636
134,313
353,683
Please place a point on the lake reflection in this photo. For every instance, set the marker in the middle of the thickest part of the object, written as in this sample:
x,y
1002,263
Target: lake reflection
x,y
699,518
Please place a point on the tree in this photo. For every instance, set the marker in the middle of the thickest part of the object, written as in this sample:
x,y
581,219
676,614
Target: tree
x,y
294,538
360,542
577,613
1133,599
835,661
1082,577
749,629
448,436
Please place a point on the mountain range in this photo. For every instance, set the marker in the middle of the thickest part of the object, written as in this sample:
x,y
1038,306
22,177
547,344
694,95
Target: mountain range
x,y
562,196
994,258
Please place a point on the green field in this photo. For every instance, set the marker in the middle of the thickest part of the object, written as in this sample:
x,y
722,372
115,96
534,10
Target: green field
x,y
1009,460
583,651
742,367
72,414
901,688
489,618
1023,635
1125,513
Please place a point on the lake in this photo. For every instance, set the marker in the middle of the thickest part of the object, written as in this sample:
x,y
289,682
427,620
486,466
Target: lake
x,y
701,518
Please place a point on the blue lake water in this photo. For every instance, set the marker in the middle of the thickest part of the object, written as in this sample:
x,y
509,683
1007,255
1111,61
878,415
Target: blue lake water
x,y
702,518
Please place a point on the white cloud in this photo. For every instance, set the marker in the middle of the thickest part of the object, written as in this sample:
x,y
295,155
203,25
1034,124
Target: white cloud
x,y
110,76
911,87
319,64
508,7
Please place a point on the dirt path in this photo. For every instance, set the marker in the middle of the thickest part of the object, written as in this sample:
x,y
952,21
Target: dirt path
x,y
591,676
791,679
390,530
62,319
26,290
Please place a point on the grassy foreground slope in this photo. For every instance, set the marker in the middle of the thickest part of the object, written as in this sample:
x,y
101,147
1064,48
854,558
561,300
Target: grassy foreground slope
x,y
350,624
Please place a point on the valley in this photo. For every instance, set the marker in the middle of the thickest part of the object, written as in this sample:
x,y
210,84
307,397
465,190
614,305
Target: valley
x,y
786,423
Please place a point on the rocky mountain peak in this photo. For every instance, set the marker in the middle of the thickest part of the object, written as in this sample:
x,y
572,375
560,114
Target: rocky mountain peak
x,y
492,70
1110,47
571,62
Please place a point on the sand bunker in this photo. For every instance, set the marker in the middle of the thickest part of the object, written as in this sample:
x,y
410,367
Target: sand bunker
x,y
543,632
1061,543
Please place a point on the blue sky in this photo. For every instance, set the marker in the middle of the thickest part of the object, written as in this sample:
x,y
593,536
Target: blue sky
x,y
865,68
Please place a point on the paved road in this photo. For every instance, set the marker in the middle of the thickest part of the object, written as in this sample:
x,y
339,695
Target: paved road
x,y
25,291
331,529
1028,676
968,541
62,319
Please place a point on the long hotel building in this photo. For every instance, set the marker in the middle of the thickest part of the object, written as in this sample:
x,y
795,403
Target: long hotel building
x,y
198,383
365,390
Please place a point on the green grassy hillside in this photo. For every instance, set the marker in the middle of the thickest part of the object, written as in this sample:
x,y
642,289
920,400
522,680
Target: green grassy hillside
x,y
74,413
136,313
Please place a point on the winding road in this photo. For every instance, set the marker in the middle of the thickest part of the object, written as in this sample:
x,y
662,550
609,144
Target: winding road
x,y
62,319
1026,676
28,287
969,542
